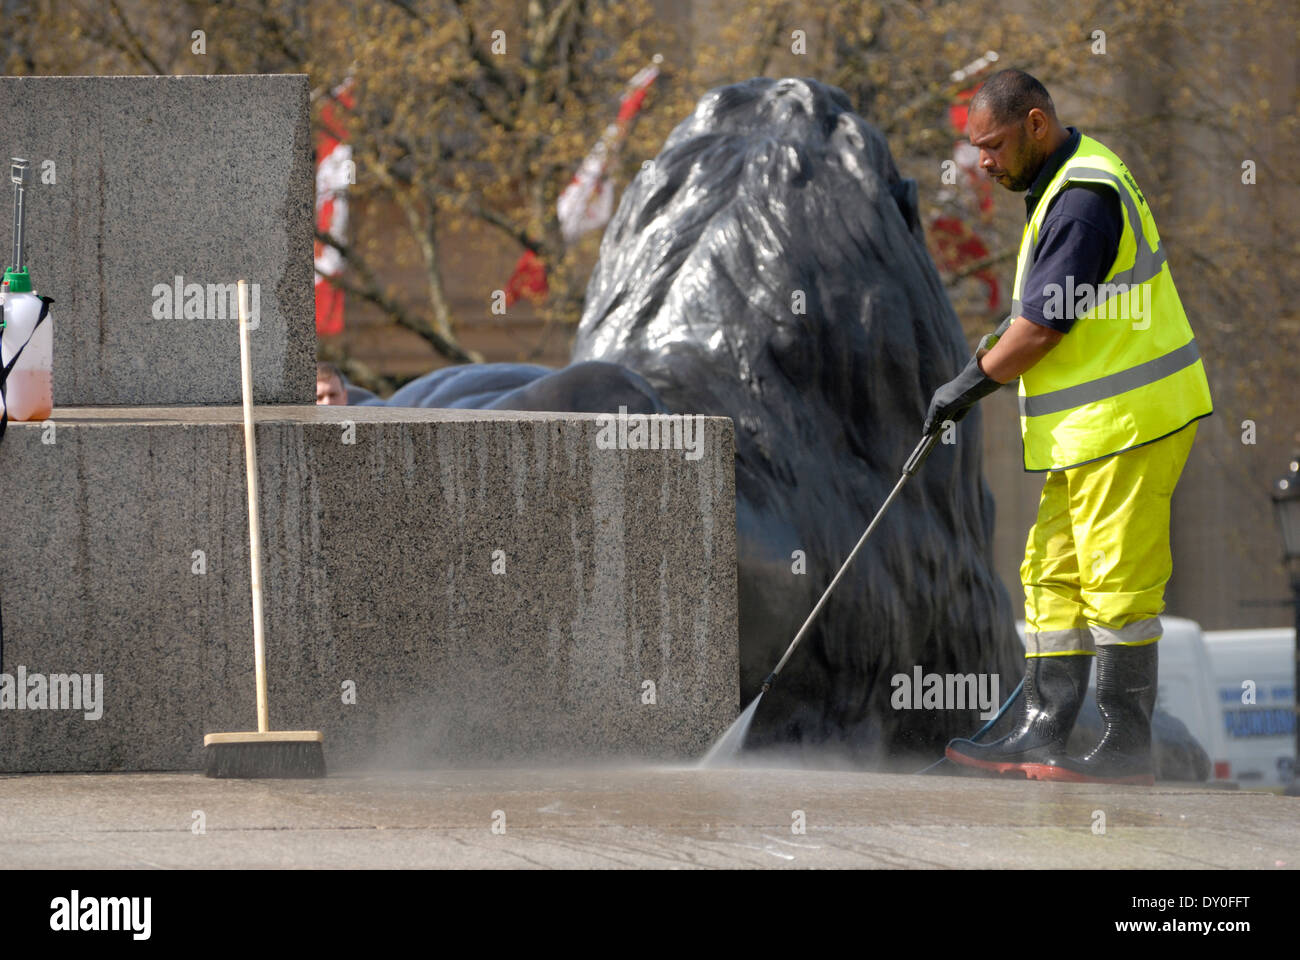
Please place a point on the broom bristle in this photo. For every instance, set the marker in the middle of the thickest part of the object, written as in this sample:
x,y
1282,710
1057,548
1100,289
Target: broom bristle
x,y
267,759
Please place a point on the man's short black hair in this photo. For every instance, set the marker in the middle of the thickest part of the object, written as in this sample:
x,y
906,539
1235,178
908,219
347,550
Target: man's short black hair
x,y
327,371
1009,95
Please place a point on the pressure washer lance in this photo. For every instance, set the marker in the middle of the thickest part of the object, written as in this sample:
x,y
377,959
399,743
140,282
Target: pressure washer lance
x,y
18,173
913,464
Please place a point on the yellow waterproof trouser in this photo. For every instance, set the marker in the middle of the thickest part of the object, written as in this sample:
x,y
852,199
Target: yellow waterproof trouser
x,y
1097,559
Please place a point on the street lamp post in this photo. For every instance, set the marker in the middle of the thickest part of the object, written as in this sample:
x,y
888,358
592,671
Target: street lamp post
x,y
1286,501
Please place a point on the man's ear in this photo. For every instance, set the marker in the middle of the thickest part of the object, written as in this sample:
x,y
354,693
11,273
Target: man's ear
x,y
1036,124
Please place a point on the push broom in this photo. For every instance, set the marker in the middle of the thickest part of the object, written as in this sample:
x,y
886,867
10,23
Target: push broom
x,y
266,752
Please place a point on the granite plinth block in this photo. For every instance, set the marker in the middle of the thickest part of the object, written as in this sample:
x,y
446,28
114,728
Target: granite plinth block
x,y
442,586
147,198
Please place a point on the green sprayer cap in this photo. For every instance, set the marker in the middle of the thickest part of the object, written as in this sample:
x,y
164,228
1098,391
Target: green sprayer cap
x,y
19,281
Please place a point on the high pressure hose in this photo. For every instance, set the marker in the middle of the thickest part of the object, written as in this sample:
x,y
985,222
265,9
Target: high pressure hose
x,y
988,726
913,464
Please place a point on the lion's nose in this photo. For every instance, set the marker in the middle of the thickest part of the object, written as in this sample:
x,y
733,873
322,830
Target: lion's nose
x,y
793,94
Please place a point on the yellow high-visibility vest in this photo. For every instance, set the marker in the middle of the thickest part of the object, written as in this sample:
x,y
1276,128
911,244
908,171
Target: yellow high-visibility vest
x,y
1129,371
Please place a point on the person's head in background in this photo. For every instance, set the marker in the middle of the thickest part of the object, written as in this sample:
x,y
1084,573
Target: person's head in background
x,y
330,391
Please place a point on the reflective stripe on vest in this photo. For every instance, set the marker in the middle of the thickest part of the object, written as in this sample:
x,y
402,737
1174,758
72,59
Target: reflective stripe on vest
x,y
1111,385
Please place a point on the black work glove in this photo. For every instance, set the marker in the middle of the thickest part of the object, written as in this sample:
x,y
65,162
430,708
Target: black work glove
x,y
954,399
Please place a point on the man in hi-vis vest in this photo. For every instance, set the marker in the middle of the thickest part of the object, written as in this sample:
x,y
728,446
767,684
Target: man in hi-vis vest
x,y
1111,387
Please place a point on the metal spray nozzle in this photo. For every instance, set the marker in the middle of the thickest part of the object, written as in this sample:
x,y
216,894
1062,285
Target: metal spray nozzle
x,y
18,174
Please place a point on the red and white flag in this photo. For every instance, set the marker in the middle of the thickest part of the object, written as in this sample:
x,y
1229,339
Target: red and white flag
x,y
334,172
587,202
955,244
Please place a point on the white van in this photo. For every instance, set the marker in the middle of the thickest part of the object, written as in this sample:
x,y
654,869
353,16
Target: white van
x,y
1254,687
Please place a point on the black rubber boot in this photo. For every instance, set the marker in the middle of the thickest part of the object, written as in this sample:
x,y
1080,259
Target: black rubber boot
x,y
1050,701
1126,695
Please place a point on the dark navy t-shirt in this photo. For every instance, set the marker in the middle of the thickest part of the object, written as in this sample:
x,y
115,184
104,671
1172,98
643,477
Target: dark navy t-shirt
x,y
1078,238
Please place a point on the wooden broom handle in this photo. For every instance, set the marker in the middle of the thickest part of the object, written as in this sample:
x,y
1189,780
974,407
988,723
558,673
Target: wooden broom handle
x,y
254,525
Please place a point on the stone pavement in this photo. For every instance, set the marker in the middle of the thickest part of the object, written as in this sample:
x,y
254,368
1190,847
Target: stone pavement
x,y
627,816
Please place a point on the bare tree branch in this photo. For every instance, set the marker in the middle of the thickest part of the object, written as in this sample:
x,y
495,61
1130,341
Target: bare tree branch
x,y
490,68
550,28
371,293
973,268
411,12
133,46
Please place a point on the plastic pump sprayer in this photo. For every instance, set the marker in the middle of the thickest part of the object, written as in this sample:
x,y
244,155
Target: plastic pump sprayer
x,y
26,330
